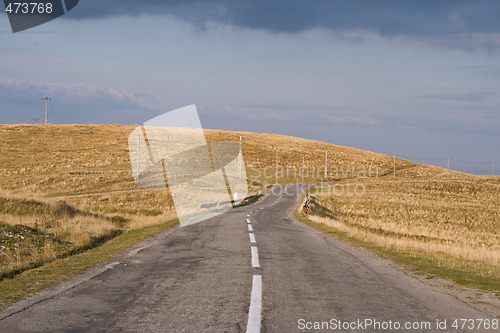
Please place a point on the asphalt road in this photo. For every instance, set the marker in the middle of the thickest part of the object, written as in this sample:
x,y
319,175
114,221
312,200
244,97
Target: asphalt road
x,y
252,269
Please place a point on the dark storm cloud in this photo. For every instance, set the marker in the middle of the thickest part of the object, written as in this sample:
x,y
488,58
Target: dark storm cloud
x,y
387,17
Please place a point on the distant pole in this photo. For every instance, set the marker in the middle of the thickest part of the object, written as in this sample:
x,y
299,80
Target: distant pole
x,y
326,164
492,168
240,157
303,170
47,99
448,167
394,165
276,167
138,157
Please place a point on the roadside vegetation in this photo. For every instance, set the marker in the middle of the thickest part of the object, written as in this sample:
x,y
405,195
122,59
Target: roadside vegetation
x,y
59,270
448,223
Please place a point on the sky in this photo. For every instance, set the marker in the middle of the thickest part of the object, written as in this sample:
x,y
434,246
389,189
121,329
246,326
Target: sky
x,y
419,79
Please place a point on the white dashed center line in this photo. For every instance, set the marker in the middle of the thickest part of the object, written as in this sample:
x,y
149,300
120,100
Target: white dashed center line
x,y
255,257
255,311
254,315
252,238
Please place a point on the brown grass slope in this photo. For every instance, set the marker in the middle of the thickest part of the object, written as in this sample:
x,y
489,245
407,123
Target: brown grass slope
x,y
454,221
87,168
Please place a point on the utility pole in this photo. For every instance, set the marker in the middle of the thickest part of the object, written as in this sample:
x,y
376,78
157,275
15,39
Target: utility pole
x,y
326,164
240,157
492,168
448,167
138,158
35,120
277,167
394,165
47,99
302,170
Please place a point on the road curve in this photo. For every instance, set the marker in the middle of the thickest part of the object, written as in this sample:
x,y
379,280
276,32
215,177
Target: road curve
x,y
251,269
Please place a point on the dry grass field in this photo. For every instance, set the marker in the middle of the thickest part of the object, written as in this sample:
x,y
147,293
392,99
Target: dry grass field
x,y
454,219
66,188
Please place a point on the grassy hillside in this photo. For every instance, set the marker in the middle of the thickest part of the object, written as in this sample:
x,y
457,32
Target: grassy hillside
x,y
64,188
74,184
452,221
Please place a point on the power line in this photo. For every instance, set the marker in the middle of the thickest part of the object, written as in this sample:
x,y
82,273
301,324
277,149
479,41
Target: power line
x,y
465,162
442,159
448,159
422,159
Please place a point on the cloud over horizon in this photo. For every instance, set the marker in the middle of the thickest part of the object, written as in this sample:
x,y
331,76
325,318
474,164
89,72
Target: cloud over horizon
x,y
10,87
20,101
